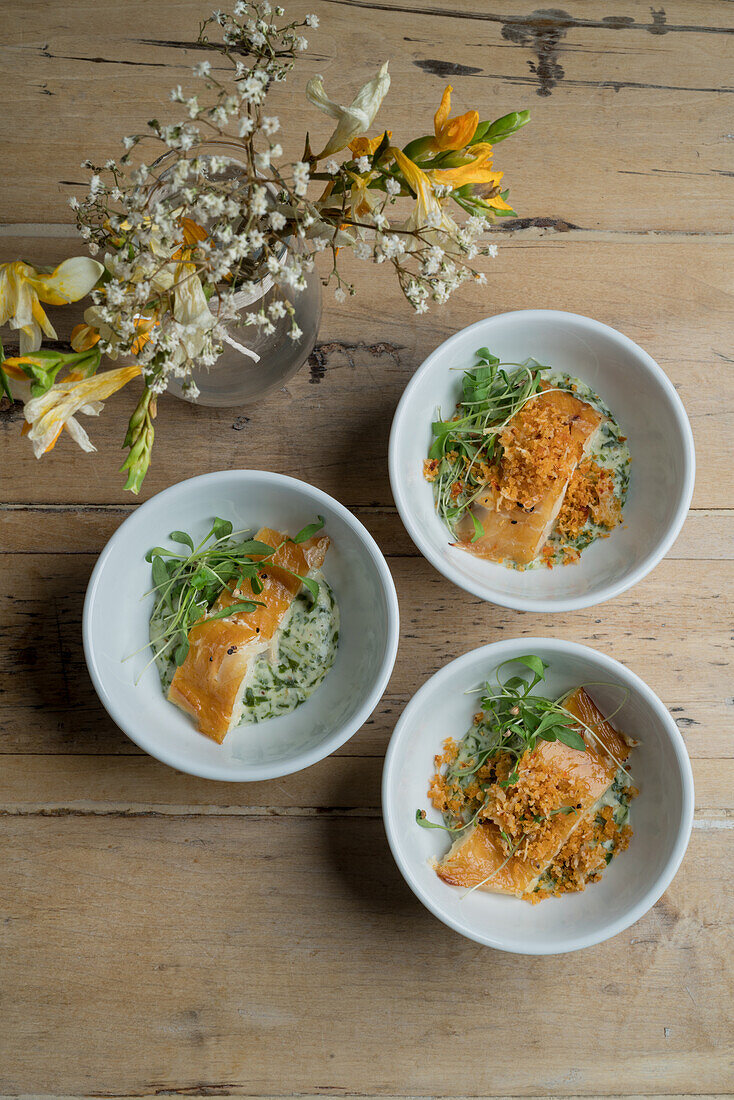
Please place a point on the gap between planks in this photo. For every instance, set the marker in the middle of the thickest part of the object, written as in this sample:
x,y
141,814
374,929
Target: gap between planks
x,y
222,1090
707,822
540,227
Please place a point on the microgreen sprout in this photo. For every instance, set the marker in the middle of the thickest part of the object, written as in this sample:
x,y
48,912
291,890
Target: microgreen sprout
x,y
468,444
188,581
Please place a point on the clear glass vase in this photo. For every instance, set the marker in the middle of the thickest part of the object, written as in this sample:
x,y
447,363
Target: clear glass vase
x,y
235,379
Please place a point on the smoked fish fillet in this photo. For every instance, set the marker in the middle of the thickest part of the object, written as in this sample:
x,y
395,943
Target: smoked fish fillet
x,y
516,533
477,854
209,685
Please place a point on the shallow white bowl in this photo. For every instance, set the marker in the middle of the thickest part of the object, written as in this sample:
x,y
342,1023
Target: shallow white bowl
x,y
116,624
661,816
648,410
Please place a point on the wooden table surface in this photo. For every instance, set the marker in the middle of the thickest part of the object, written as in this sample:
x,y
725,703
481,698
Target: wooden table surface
x,y
166,935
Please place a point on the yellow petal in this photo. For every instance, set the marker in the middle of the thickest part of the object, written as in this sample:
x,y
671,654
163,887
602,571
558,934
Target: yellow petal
x,y
192,231
70,281
48,413
453,133
444,109
478,170
497,202
42,320
83,337
365,147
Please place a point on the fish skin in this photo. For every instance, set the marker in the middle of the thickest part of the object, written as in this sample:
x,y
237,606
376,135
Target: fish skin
x,y
208,685
512,532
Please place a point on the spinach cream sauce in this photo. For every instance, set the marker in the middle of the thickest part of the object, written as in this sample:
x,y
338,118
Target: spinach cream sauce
x,y
305,651
289,671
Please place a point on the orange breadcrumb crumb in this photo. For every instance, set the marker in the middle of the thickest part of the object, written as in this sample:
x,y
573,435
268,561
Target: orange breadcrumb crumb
x,y
430,469
590,494
538,449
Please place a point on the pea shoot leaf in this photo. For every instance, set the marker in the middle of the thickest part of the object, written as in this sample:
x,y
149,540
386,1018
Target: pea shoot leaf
x,y
181,536
309,531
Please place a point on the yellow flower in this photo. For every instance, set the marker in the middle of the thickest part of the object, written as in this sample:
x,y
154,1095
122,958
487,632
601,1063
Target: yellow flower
x,y
476,171
22,289
365,147
453,133
192,231
55,410
354,120
83,337
428,212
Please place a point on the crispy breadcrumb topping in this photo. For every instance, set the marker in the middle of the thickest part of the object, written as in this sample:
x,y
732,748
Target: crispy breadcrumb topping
x,y
584,856
590,495
523,798
538,449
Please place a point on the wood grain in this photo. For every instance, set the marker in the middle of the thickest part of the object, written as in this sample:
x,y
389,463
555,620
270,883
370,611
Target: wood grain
x,y
163,935
631,110
223,954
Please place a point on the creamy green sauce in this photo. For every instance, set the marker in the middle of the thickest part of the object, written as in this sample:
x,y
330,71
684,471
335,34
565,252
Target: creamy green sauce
x,y
304,651
608,449
164,661
285,674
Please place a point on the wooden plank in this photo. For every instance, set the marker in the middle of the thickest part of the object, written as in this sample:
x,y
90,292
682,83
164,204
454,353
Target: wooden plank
x,y
47,703
614,87
674,298
289,950
85,528
338,786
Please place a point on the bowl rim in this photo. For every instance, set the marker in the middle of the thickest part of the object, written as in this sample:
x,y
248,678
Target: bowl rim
x,y
242,773
558,646
533,603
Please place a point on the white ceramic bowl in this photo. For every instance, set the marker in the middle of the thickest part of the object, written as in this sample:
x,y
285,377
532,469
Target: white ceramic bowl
x,y
647,409
116,624
661,816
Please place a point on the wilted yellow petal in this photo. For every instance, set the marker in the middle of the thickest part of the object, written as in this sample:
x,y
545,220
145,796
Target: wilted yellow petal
x,y
48,413
70,281
192,231
355,119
